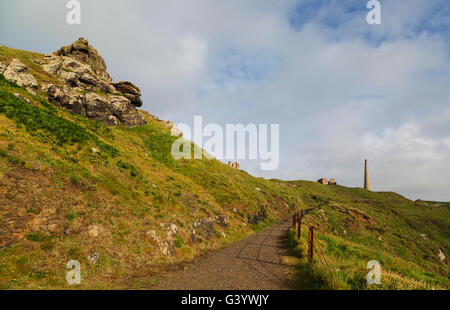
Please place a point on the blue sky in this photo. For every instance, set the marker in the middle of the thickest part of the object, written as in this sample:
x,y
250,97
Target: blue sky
x,y
342,90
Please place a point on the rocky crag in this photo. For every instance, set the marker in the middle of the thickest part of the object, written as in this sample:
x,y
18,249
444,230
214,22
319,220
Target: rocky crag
x,y
82,85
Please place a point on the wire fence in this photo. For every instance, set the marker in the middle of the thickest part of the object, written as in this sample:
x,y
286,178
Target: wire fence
x,y
309,248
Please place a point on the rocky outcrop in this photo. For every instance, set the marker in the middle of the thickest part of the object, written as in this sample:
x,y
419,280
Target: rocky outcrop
x,y
84,87
18,73
81,84
257,217
85,53
204,228
129,91
165,244
118,109
173,128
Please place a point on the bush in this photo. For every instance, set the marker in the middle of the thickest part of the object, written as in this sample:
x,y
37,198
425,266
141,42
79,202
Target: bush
x,y
38,237
178,241
74,179
124,165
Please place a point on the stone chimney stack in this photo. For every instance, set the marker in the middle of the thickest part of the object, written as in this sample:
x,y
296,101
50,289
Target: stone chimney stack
x,y
366,176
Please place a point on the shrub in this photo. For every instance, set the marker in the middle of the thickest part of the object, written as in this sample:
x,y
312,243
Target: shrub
x,y
124,165
74,179
38,237
178,241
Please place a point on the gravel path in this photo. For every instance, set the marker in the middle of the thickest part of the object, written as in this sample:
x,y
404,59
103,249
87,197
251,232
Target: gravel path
x,y
258,262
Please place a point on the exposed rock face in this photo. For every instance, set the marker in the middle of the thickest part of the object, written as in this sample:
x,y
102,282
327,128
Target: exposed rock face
x,y
130,91
257,217
82,51
84,87
174,129
117,108
18,73
165,245
332,182
206,227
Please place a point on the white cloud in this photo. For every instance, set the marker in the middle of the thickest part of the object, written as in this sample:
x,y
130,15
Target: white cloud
x,y
407,161
332,89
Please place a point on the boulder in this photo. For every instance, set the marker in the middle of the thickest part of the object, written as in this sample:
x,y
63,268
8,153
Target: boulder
x,y
82,51
63,96
75,66
98,108
70,78
165,247
2,68
129,91
125,111
17,72
332,182
51,64
257,217
205,226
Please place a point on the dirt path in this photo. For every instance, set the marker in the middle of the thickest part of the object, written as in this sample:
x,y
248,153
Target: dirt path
x,y
257,262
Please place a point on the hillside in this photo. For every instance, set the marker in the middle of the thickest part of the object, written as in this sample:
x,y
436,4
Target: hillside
x,y
98,185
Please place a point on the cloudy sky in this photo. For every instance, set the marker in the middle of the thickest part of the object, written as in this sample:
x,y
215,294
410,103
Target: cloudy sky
x,y
342,90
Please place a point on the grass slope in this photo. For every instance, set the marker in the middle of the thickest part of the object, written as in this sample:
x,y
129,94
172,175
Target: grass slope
x,y
54,188
355,226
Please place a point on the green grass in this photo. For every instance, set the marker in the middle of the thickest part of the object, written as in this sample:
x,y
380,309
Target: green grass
x,y
38,237
44,123
387,228
133,186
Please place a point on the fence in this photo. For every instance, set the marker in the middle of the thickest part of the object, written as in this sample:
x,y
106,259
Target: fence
x,y
311,249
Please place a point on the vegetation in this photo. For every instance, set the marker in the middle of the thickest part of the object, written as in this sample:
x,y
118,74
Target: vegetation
x,y
354,226
54,188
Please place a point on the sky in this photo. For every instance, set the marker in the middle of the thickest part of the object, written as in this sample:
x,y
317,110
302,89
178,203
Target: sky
x,y
340,89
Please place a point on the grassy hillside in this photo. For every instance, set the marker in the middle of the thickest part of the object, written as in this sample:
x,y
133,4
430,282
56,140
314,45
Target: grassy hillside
x,y
73,188
62,176
355,226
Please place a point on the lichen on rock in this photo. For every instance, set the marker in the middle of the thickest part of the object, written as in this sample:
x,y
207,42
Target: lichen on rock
x,y
18,73
84,52
85,87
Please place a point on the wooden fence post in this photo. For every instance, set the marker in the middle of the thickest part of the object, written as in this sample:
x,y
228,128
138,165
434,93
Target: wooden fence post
x,y
311,243
294,220
299,223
